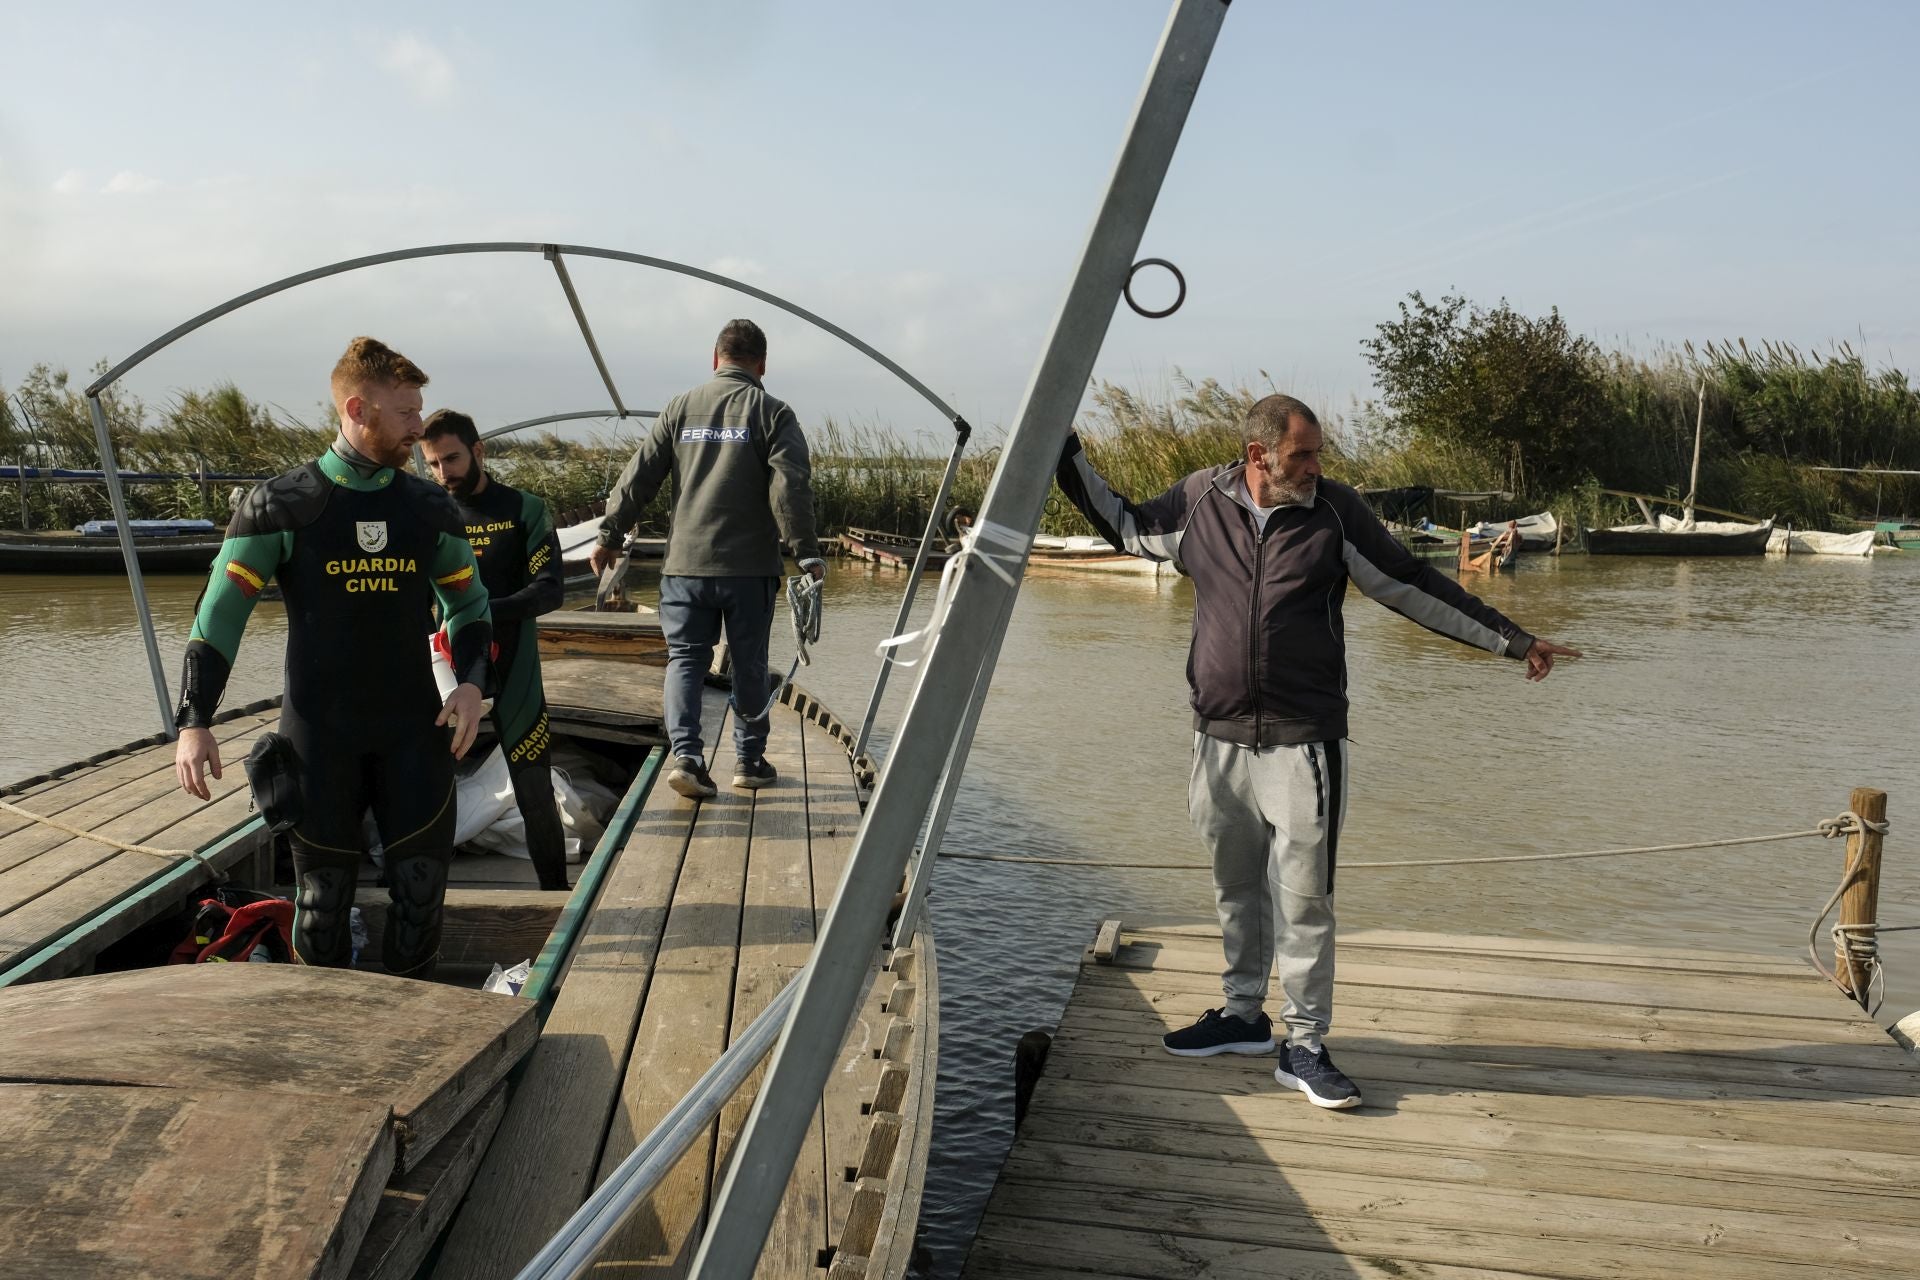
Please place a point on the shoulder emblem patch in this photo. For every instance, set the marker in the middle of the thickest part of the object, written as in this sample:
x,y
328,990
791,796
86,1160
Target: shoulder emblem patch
x,y
244,578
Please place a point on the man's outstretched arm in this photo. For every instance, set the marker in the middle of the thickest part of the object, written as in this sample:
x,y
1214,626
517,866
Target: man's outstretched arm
x,y
1151,530
1386,571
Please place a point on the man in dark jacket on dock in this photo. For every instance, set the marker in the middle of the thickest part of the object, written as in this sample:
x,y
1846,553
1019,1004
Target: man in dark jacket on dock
x,y
1271,546
518,555
742,482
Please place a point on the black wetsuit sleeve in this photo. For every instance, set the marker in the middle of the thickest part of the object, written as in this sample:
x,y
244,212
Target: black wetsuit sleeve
x,y
545,587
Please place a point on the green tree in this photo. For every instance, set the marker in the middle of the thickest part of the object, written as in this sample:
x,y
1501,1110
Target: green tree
x,y
1521,391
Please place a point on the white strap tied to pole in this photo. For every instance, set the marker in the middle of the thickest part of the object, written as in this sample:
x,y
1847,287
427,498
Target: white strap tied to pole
x,y
999,549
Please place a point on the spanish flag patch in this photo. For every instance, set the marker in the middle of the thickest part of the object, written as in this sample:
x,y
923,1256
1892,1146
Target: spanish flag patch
x,y
459,580
244,578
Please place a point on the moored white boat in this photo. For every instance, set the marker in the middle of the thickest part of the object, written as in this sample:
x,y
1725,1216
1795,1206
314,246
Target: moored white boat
x,y
1096,554
1813,542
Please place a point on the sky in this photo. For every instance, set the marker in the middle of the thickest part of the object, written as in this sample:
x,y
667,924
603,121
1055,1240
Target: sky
x,y
924,176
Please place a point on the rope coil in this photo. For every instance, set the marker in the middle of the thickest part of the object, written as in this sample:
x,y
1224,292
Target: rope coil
x,y
1857,945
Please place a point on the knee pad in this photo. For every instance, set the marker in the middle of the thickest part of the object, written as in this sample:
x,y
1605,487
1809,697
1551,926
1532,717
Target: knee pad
x,y
322,918
418,888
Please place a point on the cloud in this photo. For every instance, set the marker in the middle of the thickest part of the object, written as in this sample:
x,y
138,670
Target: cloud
x,y
426,72
127,183
70,183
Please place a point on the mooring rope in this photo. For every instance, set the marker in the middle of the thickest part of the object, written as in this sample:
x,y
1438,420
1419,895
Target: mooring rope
x,y
173,855
1825,829
1855,942
1858,944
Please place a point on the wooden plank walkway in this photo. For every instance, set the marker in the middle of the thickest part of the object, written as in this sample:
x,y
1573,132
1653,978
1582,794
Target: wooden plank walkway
x,y
711,909
1533,1108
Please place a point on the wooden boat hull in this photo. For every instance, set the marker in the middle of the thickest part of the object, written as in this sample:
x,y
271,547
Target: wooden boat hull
x,y
621,1038
1656,542
72,553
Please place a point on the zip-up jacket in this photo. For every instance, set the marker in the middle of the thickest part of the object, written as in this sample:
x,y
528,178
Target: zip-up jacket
x,y
742,481
1268,664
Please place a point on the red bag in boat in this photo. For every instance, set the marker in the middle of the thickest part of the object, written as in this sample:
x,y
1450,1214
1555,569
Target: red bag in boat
x,y
232,924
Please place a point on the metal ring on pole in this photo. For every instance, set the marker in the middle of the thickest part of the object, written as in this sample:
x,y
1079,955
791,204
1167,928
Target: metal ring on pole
x,y
1126,290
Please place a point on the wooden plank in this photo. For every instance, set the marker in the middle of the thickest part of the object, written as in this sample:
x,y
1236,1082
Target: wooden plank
x,y
1549,1230
541,1165
482,926
1891,1074
1372,1060
1725,992
1022,1249
1637,1166
415,1206
1177,1091
1768,997
156,804
111,1181
430,1052
833,816
776,938
583,685
1125,987
683,1029
110,791
107,883
1620,1135
1788,959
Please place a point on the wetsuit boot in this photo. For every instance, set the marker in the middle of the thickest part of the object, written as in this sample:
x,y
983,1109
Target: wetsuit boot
x,y
322,919
418,889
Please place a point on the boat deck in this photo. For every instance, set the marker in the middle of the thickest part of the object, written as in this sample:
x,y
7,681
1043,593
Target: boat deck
x,y
1533,1108
711,909
65,898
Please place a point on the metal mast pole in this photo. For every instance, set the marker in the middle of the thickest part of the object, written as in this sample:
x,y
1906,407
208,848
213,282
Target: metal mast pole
x,y
987,581
118,496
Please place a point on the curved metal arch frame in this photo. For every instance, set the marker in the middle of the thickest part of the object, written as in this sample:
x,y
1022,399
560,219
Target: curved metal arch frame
x,y
553,253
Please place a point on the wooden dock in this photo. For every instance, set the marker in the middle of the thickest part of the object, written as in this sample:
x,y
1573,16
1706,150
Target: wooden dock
x,y
1533,1108
712,908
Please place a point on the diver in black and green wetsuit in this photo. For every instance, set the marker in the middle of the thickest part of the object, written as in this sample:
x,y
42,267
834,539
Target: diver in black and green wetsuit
x,y
519,558
362,551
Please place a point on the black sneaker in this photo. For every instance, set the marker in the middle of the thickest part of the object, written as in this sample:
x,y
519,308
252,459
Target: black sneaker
x,y
1221,1032
754,774
1312,1072
690,778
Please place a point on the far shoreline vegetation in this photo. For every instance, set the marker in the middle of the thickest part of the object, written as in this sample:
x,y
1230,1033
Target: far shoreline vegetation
x,y
1472,397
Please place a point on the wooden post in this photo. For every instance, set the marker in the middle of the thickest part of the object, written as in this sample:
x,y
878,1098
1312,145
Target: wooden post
x,y
1861,901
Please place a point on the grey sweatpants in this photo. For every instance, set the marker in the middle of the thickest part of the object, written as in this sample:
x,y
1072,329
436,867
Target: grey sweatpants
x,y
1271,818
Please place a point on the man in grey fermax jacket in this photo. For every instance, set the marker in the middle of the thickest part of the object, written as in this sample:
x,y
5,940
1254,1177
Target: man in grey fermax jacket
x,y
742,481
1271,546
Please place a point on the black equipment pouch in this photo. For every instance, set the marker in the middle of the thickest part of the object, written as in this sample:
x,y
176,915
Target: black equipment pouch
x,y
271,775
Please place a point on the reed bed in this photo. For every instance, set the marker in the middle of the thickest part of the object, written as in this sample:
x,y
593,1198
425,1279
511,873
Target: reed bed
x,y
1772,412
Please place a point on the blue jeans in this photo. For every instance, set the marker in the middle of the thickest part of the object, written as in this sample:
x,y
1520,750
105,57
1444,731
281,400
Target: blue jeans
x,y
692,611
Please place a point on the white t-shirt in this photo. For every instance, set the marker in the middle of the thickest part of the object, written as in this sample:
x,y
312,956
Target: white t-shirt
x,y
1260,513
